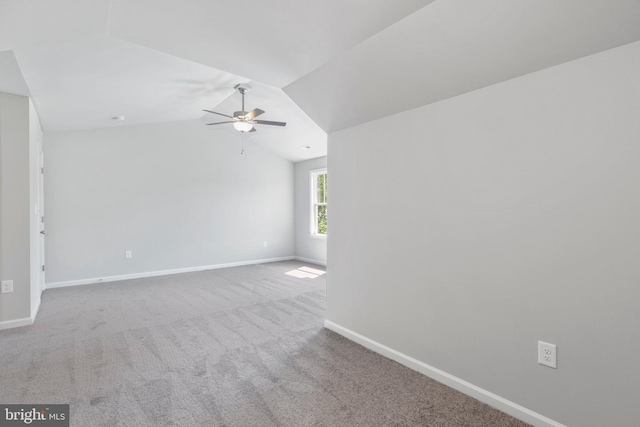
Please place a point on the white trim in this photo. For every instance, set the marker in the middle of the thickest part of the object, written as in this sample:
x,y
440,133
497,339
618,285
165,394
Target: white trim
x,y
161,273
9,324
25,321
313,187
312,261
500,403
318,236
324,168
34,312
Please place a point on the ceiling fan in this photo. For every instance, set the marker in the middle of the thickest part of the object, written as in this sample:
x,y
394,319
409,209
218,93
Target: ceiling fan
x,y
242,120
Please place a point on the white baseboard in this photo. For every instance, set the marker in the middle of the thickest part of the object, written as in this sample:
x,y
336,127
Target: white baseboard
x,y
34,312
161,273
454,382
312,261
8,324
26,321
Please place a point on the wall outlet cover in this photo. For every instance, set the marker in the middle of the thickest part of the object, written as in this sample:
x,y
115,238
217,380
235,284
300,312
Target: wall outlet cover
x,y
547,354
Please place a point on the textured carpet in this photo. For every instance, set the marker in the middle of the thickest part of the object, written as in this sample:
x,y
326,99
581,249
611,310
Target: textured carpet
x,y
240,346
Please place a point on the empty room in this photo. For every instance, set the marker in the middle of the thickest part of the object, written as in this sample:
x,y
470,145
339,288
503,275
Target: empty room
x,y
170,255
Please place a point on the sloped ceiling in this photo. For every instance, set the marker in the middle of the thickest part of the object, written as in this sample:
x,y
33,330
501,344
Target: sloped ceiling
x,y
320,66
275,42
86,61
11,80
455,46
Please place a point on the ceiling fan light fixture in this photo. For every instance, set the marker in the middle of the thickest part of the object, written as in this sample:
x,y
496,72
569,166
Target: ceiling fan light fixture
x,y
242,126
242,120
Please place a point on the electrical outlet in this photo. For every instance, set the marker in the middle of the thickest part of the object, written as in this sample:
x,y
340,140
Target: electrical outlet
x,y
7,286
547,354
128,255
264,244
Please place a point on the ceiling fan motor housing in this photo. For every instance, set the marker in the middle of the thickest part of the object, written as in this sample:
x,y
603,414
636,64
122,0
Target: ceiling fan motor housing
x,y
243,121
242,87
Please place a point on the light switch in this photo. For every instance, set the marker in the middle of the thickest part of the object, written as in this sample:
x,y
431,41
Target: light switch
x,y
7,286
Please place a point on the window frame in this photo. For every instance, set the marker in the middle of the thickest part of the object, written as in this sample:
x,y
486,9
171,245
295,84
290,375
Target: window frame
x,y
313,223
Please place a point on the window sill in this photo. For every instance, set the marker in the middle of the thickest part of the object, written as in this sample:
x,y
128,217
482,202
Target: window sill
x,y
318,236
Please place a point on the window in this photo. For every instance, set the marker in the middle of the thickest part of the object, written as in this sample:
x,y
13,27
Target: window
x,y
319,202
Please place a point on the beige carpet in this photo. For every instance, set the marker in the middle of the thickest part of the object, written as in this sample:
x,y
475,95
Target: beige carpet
x,y
240,346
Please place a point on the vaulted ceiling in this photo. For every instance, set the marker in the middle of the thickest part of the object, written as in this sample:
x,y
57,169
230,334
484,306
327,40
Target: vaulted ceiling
x,y
320,66
455,46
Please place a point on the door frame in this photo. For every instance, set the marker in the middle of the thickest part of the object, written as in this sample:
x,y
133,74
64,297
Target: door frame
x,y
41,237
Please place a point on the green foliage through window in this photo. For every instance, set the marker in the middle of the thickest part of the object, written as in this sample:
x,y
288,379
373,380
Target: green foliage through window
x,y
322,188
322,220
319,202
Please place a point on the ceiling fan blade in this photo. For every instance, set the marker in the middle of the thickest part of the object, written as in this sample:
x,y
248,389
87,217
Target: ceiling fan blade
x,y
267,122
218,123
254,113
220,114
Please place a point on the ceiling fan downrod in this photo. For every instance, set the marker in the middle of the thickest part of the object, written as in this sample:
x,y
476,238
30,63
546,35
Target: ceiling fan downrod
x,y
242,120
242,88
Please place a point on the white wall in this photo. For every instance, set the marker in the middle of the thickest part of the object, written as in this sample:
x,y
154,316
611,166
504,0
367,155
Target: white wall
x,y
178,195
19,133
308,247
465,231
